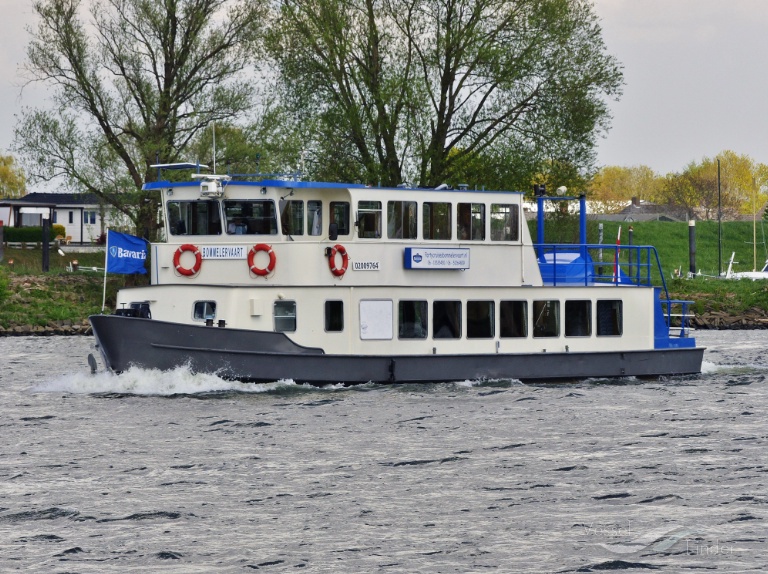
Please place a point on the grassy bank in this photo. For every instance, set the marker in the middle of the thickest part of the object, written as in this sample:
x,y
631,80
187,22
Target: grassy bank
x,y
34,298
31,297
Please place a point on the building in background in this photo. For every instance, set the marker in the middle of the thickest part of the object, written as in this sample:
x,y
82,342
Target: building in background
x,y
84,219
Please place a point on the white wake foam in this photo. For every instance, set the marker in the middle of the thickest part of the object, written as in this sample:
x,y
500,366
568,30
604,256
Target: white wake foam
x,y
137,381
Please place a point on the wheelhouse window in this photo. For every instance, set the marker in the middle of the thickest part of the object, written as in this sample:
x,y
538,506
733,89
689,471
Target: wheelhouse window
x,y
513,319
284,313
480,319
334,316
314,217
505,222
546,318
401,219
250,217
412,320
194,217
446,319
340,216
578,318
609,319
470,224
292,217
436,220
369,219
204,310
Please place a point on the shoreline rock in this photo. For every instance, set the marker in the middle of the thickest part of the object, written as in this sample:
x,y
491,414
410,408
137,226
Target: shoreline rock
x,y
57,328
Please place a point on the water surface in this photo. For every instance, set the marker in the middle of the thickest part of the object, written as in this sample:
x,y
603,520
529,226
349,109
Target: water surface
x,y
189,473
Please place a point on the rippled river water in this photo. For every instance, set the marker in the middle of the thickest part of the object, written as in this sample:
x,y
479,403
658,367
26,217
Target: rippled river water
x,y
179,473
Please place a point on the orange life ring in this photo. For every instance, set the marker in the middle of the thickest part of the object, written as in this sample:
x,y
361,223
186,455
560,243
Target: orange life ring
x,y
252,255
198,260
338,271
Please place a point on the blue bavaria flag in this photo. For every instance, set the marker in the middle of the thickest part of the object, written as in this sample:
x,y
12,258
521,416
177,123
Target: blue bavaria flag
x,y
125,253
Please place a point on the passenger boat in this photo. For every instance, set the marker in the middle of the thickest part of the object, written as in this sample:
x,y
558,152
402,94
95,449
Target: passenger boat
x,y
327,283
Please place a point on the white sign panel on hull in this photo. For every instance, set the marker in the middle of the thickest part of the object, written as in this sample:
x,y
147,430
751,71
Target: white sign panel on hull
x,y
436,258
223,252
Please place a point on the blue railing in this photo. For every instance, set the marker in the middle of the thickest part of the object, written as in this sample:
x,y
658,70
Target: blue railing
x,y
620,265
588,264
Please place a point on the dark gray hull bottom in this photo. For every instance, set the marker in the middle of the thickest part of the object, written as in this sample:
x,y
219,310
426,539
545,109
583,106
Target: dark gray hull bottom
x,y
257,356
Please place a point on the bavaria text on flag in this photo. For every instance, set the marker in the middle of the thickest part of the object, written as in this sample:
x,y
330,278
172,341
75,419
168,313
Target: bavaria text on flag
x,y
125,253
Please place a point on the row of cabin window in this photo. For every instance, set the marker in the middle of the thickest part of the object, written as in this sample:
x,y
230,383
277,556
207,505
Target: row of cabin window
x,y
481,321
297,217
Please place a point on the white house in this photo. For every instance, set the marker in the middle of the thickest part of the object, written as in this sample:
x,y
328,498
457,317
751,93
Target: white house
x,y
83,218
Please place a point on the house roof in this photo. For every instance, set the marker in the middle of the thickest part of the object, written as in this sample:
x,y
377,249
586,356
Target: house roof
x,y
60,198
646,211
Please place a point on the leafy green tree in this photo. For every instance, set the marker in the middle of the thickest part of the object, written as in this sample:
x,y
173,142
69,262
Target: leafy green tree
x,y
12,180
265,145
742,180
612,187
131,86
423,90
743,187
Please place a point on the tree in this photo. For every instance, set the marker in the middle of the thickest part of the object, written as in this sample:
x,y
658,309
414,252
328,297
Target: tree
x,y
742,180
420,90
12,180
263,146
132,86
613,187
743,187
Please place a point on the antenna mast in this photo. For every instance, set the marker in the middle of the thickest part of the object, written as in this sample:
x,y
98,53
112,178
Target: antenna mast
x,y
213,127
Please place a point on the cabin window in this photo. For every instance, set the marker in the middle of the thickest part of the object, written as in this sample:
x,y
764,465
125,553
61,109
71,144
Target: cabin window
x,y
292,217
412,320
505,222
340,216
334,316
480,319
513,317
436,221
578,318
369,219
546,318
204,310
251,217
285,316
446,319
194,217
470,221
609,319
314,217
376,319
401,219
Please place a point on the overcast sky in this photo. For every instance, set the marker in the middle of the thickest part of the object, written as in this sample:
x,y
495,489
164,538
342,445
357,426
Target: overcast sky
x,y
696,74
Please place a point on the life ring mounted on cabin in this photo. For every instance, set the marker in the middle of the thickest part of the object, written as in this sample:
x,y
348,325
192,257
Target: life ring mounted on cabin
x,y
341,250
188,271
252,256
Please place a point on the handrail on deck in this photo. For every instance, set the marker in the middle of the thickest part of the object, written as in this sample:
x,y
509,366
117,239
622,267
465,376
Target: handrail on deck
x,y
617,264
621,265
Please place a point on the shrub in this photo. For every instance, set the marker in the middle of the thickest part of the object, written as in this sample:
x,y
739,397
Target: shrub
x,y
31,234
25,234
